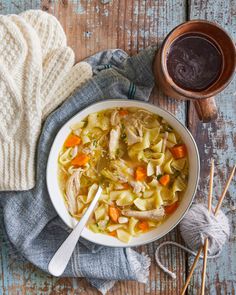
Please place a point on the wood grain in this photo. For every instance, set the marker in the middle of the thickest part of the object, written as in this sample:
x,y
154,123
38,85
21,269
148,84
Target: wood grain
x,y
133,25
217,140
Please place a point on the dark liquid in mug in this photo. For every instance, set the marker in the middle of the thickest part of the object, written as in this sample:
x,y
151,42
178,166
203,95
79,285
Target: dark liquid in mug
x,y
194,62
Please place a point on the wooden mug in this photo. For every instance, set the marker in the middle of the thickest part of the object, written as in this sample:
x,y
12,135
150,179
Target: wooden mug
x,y
204,100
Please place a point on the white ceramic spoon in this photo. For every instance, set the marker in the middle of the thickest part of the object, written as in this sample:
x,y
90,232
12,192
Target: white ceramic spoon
x,y
59,261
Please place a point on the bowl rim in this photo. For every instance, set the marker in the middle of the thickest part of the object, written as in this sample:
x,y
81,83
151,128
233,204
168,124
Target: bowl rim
x,y
195,184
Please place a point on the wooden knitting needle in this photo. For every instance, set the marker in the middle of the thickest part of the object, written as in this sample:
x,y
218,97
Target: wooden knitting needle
x,y
201,248
225,191
206,241
211,185
191,270
215,213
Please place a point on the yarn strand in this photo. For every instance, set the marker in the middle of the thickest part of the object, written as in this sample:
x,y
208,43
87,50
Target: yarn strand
x,y
165,269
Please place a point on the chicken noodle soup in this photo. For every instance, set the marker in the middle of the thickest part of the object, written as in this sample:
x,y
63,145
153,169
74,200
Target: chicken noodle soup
x,y
139,161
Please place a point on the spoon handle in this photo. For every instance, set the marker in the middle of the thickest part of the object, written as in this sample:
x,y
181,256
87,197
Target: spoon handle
x,y
59,261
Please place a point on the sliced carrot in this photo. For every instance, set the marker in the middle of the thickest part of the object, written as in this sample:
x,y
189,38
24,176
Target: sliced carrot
x,y
113,233
140,173
114,213
126,185
72,140
123,113
143,225
80,160
171,208
179,151
165,179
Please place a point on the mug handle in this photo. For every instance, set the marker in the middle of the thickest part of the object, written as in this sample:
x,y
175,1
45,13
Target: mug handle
x,y
206,109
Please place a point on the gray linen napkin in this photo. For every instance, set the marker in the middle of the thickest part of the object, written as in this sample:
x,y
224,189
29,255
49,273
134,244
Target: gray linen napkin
x,y
31,223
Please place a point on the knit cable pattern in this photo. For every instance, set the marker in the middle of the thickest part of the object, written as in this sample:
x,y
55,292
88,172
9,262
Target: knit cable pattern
x,y
36,75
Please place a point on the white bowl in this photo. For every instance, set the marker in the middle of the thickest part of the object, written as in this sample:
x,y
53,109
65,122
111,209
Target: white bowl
x,y
171,222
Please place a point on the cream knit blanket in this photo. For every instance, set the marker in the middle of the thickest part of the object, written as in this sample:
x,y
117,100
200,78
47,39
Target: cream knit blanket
x,y
36,75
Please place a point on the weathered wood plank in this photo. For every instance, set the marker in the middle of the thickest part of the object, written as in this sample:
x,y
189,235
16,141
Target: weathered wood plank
x,y
218,140
133,26
90,27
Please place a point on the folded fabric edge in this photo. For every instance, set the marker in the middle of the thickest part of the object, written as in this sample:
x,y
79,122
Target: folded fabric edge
x,y
139,264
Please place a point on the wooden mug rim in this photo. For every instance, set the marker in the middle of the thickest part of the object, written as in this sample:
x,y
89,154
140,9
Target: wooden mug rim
x,y
190,93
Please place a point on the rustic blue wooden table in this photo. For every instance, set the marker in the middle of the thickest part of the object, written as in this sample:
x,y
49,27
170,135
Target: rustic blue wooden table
x,y
133,25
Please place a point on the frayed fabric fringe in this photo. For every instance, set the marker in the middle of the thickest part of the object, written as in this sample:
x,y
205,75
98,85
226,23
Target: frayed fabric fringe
x,y
140,265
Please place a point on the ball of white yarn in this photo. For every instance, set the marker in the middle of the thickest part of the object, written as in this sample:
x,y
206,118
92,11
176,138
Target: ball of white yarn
x,y
198,224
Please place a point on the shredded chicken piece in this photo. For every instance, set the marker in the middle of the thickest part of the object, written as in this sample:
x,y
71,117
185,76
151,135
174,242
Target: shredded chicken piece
x,y
133,130
137,186
72,169
138,125
150,169
77,131
72,190
158,170
121,165
115,119
144,112
74,152
145,116
122,178
132,138
88,150
164,142
123,219
114,142
118,186
155,215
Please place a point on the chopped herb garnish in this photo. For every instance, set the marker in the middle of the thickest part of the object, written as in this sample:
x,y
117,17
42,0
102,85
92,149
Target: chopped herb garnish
x,y
159,176
176,173
95,143
168,128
